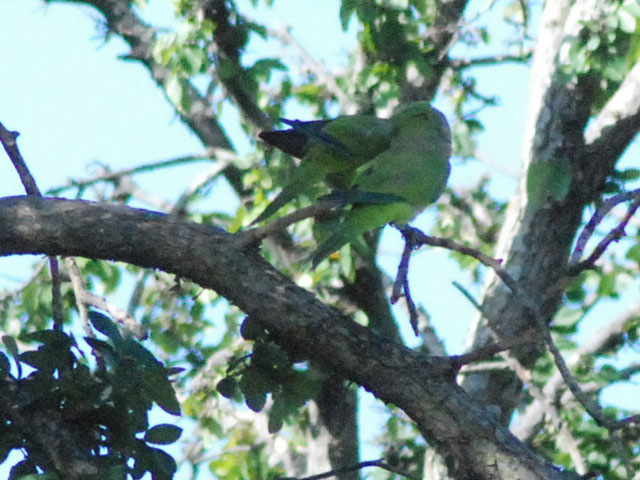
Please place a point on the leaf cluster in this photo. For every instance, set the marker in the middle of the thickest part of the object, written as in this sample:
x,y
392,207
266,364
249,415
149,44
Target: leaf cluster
x,y
269,370
72,419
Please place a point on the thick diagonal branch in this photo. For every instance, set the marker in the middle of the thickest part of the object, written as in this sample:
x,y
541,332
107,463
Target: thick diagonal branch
x,y
424,387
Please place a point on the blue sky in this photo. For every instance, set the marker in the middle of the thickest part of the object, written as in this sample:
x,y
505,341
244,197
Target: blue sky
x,y
75,103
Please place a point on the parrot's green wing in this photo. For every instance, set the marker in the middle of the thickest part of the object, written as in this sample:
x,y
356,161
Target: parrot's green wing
x,y
331,151
415,168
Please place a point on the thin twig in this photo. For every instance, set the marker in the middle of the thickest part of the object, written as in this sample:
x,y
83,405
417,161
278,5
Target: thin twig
x,y
468,296
492,60
85,297
107,176
8,139
489,351
201,180
524,375
253,235
594,410
587,232
56,293
358,466
315,67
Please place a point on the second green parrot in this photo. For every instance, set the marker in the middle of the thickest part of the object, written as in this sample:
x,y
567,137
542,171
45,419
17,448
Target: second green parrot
x,y
331,151
414,168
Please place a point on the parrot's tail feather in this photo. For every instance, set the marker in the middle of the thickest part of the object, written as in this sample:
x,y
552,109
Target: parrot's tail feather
x,y
291,142
311,130
284,197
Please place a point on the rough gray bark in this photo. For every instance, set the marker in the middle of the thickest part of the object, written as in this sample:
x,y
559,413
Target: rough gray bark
x,y
460,428
535,243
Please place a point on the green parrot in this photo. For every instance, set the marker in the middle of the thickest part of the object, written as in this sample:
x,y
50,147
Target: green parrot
x,y
331,151
414,168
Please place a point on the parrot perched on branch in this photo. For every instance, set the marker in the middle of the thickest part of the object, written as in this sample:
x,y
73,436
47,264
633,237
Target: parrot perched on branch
x,y
414,168
331,151
388,170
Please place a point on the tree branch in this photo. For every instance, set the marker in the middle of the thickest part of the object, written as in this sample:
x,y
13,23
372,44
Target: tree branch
x,y
575,265
108,176
592,408
423,387
608,136
317,68
460,63
122,20
8,140
359,466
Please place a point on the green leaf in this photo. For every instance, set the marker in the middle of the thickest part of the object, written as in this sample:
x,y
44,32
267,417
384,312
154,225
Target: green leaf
x,y
227,387
161,391
549,179
627,174
5,366
100,346
269,355
163,434
11,345
21,469
174,91
301,387
276,421
627,20
251,329
633,253
53,337
463,142
255,400
105,325
192,60
254,387
346,11
155,377
38,359
163,466
263,68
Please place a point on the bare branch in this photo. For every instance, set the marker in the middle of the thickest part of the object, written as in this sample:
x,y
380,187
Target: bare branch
x,y
575,265
8,139
84,297
253,235
489,351
202,180
605,335
460,63
107,176
359,466
227,49
122,20
552,413
317,68
417,384
594,410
